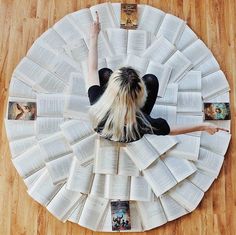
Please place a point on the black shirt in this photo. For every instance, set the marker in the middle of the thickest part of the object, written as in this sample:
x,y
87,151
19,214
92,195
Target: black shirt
x,y
159,125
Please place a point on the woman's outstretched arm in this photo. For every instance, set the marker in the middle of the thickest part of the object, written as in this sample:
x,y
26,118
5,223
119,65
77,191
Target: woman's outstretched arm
x,y
211,129
93,78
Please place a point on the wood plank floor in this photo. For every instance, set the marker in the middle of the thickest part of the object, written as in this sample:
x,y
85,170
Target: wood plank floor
x,y
22,21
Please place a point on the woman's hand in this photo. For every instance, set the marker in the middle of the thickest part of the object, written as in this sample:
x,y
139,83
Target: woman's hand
x,y
95,27
212,129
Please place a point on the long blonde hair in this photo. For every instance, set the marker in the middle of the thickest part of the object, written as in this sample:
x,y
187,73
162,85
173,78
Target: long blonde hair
x,y
119,107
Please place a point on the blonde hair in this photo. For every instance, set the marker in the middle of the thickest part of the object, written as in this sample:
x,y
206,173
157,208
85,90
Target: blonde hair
x,y
119,107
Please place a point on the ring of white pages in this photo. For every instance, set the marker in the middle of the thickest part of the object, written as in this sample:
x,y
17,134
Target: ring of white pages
x,y
73,172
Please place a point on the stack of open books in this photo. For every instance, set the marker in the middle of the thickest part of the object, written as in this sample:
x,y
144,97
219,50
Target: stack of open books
x,y
99,184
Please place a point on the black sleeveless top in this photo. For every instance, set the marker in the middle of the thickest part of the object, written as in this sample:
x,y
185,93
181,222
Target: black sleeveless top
x,y
160,125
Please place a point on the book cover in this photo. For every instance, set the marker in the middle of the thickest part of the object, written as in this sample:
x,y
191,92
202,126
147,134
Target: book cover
x,y
22,110
129,16
216,111
120,213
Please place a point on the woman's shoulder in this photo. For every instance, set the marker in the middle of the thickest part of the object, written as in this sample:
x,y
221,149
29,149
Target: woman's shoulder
x,y
94,92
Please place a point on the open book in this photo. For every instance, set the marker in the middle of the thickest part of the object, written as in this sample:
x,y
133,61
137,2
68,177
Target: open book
x,y
30,180
191,81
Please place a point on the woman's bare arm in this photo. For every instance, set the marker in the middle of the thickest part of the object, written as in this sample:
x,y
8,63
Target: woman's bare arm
x,y
211,129
93,78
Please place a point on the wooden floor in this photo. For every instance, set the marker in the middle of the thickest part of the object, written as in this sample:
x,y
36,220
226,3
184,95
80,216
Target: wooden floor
x,y
22,21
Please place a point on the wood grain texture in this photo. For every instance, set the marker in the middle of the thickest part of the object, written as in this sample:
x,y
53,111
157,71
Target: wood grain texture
x,y
22,21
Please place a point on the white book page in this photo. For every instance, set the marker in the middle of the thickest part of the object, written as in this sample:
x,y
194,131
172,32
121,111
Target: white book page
x,y
173,209
50,105
118,39
163,46
18,147
47,125
83,19
159,177
180,64
221,98
214,84
115,62
138,63
217,143
180,168
140,190
118,187
63,203
161,143
20,89
106,14
138,41
93,212
59,168
152,214
99,185
19,129
167,112
117,11
189,102
54,146
44,192
77,107
67,29
107,155
30,180
142,153
80,178
187,194
202,180
171,28
151,19
126,166
75,130
196,52
209,162
208,65
187,147
188,37
171,95
191,81
29,162
84,150
162,72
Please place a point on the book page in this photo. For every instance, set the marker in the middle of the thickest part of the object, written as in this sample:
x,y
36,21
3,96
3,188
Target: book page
x,y
162,72
171,28
30,180
59,168
191,81
209,162
163,46
99,185
140,190
171,95
151,19
180,64
26,165
84,149
21,145
116,6
106,159
115,62
80,178
152,214
159,177
196,52
217,143
187,147
63,203
44,192
50,105
187,194
54,146
93,212
142,153
126,166
188,37
180,168
75,130
173,209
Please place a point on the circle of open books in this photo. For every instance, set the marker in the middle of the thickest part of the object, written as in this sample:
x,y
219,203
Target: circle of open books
x,y
99,184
